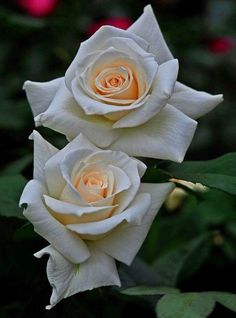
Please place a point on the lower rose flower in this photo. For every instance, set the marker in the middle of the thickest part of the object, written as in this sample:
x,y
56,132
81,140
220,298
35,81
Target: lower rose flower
x,y
90,205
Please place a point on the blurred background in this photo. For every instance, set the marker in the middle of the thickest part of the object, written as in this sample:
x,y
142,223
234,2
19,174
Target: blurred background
x,y
38,42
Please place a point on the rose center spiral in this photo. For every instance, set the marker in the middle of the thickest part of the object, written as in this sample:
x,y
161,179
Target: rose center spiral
x,y
114,80
92,186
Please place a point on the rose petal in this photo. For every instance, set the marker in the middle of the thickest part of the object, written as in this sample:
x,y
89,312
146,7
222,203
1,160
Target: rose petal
x,y
193,103
70,245
71,196
124,242
141,58
99,60
147,27
65,116
125,47
67,213
120,183
43,151
68,279
40,95
122,180
126,88
68,163
99,270
141,167
130,166
61,100
161,92
69,166
53,175
166,136
133,215
128,46
123,199
60,272
88,100
95,43
121,160
72,209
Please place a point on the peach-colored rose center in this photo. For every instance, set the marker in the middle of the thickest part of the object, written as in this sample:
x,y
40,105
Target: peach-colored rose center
x,y
113,80
116,84
93,186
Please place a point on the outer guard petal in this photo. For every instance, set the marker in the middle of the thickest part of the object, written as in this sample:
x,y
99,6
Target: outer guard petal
x,y
43,151
166,136
69,244
147,27
68,279
65,116
40,95
193,103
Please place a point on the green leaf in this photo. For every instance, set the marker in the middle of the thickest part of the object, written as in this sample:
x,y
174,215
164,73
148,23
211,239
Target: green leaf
x,y
155,175
193,305
187,305
218,173
216,207
226,299
10,191
212,180
17,166
224,165
169,266
149,290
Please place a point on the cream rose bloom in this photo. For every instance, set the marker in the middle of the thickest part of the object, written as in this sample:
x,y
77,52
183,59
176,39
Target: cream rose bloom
x,y
90,206
121,92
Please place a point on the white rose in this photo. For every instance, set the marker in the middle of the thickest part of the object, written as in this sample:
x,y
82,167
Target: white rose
x,y
90,206
121,92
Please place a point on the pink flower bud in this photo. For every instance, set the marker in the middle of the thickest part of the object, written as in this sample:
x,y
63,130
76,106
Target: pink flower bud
x,y
38,8
220,45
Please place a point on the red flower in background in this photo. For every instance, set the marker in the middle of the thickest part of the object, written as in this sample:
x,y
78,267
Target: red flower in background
x,y
38,8
220,45
121,23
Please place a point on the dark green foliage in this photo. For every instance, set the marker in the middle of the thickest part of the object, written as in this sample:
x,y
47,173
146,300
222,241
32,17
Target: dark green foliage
x,y
187,263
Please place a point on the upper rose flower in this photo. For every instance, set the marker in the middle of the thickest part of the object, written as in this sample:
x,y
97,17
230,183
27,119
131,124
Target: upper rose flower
x,y
121,92
90,206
